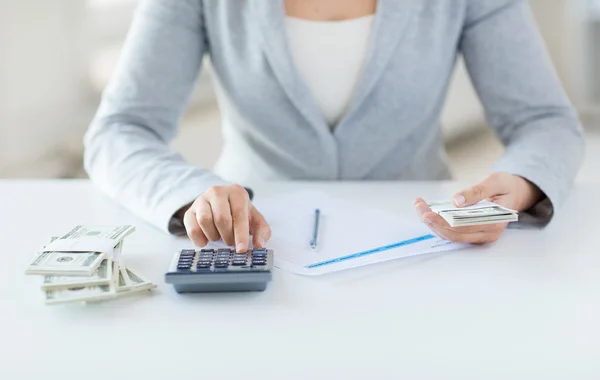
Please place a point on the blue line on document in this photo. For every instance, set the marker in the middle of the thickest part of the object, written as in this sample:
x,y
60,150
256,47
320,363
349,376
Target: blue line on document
x,y
370,251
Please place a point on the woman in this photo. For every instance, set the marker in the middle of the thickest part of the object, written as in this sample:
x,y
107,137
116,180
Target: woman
x,y
328,90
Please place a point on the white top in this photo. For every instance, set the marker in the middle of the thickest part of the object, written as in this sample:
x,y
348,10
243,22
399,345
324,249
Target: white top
x,y
330,56
526,305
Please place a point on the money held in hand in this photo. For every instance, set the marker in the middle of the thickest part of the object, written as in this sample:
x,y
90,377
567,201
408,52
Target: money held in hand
x,y
484,212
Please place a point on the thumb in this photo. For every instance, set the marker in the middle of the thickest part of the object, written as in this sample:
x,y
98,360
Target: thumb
x,y
259,229
483,190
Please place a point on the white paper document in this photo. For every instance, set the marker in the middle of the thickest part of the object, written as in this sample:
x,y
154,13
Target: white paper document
x,y
350,235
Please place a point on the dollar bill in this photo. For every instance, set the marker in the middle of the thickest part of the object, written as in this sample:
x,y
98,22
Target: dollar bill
x,y
66,263
104,275
478,212
62,263
80,294
132,282
117,233
484,212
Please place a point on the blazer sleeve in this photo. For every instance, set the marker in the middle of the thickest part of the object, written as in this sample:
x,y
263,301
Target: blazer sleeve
x,y
127,150
523,99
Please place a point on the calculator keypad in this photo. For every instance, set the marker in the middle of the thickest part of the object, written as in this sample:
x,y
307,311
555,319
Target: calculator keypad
x,y
222,260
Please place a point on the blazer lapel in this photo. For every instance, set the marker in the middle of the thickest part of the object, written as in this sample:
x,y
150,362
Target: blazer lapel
x,y
391,19
270,16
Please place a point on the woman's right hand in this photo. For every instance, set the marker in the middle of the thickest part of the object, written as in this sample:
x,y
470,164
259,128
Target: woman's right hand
x,y
225,212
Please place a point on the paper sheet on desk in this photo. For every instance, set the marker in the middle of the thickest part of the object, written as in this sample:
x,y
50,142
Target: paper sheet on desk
x,y
350,235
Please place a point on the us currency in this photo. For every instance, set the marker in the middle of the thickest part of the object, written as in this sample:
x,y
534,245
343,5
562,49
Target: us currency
x,y
80,294
66,263
102,276
117,233
60,263
106,274
484,212
131,282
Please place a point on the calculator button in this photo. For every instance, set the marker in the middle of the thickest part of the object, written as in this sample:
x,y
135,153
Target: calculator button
x,y
207,250
221,250
204,255
259,262
188,251
184,262
204,263
221,265
239,262
183,267
203,266
260,251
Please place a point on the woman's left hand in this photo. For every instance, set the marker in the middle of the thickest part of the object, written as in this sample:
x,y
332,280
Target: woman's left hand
x,y
505,189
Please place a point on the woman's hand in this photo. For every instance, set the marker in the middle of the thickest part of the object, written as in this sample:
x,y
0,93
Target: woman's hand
x,y
505,189
225,212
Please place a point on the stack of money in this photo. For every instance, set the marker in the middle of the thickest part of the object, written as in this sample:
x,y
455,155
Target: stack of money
x,y
88,276
484,212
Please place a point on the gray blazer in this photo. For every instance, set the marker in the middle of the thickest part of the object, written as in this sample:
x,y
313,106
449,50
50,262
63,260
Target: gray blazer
x,y
274,130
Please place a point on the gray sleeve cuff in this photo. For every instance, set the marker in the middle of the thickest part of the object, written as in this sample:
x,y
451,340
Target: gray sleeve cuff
x,y
176,226
536,217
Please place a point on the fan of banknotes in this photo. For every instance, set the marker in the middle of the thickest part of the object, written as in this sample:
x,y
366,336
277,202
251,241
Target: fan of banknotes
x,y
484,212
88,276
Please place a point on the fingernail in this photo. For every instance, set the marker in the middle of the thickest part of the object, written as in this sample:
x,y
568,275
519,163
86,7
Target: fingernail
x,y
422,208
241,247
459,200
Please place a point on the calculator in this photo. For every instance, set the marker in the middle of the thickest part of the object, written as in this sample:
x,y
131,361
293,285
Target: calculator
x,y
220,270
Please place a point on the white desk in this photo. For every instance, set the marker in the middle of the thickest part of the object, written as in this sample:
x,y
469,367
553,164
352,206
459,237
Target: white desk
x,y
527,307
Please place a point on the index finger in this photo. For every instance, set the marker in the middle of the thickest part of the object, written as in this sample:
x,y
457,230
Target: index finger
x,y
240,212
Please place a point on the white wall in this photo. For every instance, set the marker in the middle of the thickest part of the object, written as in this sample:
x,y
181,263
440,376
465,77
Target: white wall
x,y
562,25
44,93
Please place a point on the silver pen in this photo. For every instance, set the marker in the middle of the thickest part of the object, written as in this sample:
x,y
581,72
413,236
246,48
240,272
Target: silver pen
x,y
313,242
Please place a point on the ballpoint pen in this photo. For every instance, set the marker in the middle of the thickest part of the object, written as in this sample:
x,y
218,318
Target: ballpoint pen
x,y
313,242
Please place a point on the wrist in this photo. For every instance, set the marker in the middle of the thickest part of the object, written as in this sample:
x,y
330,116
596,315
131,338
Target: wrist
x,y
532,194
